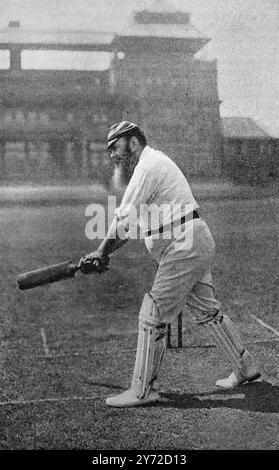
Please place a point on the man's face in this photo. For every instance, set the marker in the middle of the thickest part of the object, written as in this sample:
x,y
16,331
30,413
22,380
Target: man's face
x,y
120,152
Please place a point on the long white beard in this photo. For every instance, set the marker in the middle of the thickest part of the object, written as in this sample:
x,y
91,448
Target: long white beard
x,y
117,177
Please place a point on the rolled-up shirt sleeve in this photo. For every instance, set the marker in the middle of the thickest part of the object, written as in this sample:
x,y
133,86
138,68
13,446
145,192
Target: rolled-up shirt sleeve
x,y
139,191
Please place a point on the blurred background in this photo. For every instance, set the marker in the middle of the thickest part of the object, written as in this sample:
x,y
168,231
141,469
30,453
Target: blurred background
x,y
200,77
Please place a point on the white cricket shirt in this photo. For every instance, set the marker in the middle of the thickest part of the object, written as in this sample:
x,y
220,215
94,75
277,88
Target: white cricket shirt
x,y
157,194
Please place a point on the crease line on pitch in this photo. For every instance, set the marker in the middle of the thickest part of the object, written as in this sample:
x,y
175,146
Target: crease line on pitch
x,y
265,325
46,400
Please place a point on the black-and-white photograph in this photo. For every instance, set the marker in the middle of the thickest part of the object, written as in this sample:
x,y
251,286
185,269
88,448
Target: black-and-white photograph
x,y
139,221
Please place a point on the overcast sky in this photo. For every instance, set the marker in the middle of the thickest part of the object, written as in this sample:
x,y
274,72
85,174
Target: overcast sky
x,y
244,39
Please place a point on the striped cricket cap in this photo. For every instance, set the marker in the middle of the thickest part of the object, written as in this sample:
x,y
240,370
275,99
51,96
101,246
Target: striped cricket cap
x,y
118,130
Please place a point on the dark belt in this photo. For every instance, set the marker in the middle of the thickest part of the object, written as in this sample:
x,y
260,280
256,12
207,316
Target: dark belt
x,y
185,218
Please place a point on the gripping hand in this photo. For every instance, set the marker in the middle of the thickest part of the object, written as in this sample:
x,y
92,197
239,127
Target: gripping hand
x,y
94,263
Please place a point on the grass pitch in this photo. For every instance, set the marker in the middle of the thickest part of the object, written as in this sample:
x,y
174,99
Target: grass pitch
x,y
67,346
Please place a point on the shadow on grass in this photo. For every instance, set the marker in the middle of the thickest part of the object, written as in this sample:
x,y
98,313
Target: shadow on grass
x,y
261,397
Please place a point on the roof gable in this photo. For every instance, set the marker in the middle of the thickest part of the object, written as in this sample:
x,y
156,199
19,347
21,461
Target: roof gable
x,y
242,128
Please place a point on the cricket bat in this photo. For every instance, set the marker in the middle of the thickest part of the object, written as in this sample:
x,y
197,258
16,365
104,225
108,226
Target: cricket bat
x,y
46,275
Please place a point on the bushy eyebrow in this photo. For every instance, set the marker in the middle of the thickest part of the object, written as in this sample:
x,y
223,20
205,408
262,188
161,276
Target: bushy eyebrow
x,y
112,147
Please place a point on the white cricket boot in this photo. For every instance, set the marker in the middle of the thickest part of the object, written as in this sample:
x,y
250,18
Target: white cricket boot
x,y
248,373
227,337
150,352
129,398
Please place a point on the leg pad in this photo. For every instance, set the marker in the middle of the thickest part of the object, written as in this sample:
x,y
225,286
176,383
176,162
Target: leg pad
x,y
150,348
226,336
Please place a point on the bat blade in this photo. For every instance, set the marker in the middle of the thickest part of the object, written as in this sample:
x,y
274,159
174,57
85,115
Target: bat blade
x,y
46,275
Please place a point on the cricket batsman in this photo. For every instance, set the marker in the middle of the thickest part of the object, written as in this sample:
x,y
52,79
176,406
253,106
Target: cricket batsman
x,y
179,239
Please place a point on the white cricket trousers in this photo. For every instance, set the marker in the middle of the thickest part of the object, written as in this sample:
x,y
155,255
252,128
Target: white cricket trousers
x,y
183,275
